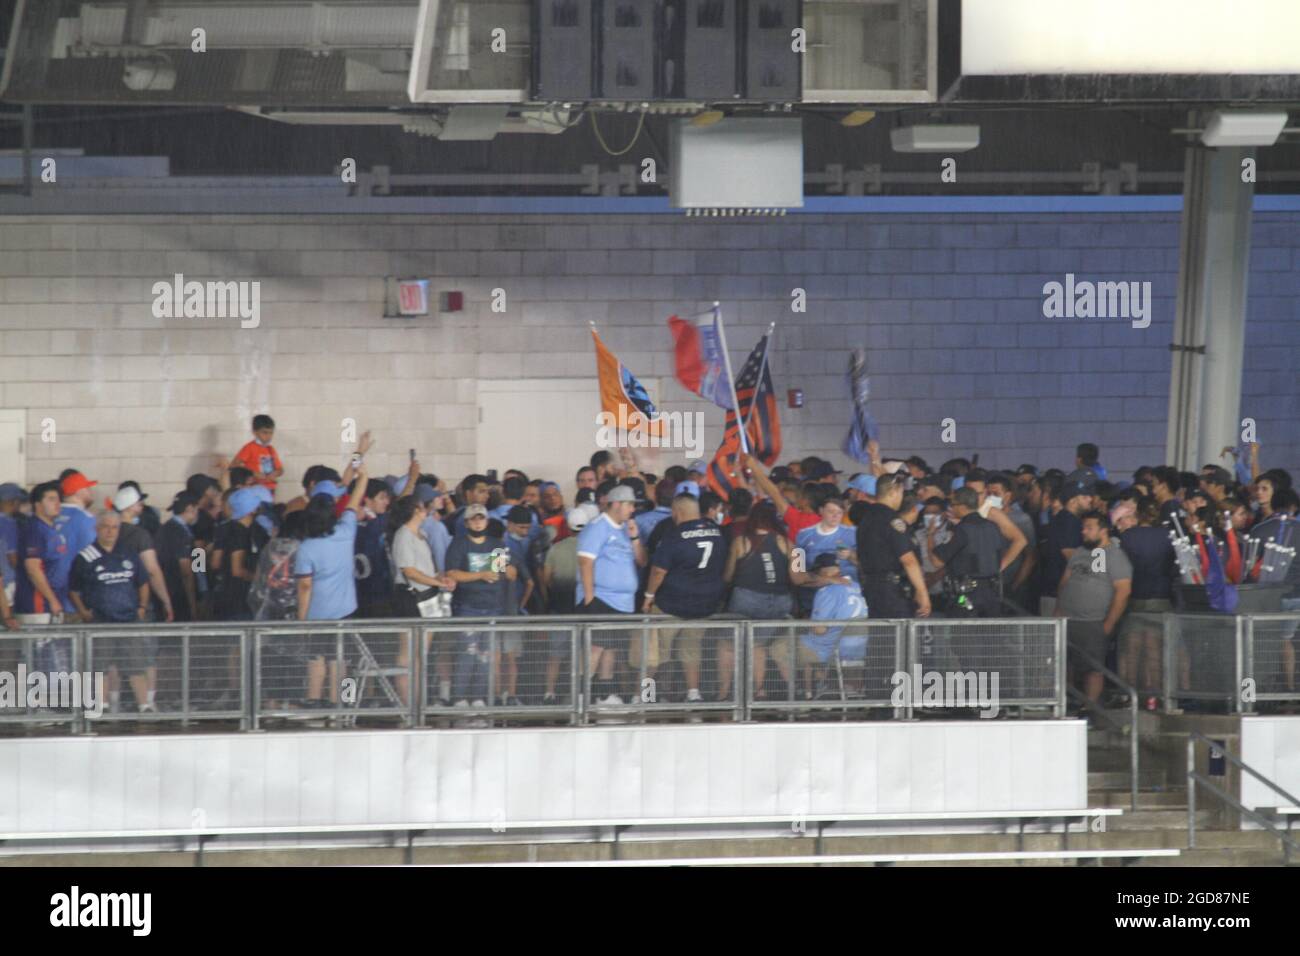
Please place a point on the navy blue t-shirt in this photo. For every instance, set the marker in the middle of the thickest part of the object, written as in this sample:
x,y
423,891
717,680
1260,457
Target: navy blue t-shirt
x,y
1066,531
694,554
109,583
1154,565
373,572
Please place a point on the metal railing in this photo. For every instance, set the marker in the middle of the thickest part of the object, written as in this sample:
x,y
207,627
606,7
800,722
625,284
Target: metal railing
x,y
1133,729
476,671
1194,777
1235,661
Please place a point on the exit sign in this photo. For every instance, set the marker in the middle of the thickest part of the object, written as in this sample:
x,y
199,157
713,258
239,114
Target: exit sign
x,y
413,297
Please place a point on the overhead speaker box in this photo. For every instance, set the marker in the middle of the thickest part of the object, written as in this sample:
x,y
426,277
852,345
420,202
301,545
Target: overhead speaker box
x,y
709,62
739,163
566,52
627,49
772,65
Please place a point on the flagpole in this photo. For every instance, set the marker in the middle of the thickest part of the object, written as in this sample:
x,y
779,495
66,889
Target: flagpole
x,y
761,369
731,379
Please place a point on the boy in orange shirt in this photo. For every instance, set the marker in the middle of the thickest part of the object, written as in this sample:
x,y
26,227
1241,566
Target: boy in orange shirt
x,y
259,456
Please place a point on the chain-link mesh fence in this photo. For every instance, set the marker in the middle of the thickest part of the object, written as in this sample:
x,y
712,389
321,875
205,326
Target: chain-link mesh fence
x,y
1013,662
1270,656
820,666
480,672
647,668
1203,659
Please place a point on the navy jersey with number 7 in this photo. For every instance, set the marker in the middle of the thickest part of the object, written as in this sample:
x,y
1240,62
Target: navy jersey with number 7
x,y
694,554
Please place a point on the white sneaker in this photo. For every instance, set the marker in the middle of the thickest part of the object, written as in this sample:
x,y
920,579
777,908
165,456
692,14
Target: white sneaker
x,y
613,700
694,696
478,703
461,703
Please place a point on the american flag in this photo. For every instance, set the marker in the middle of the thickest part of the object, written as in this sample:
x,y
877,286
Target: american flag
x,y
757,404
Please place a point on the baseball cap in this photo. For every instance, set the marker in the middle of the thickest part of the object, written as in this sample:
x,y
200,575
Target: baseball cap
x,y
697,465
124,498
330,488
687,488
136,486
637,486
182,501
620,493
518,514
864,483
547,486
198,484
472,510
824,560
578,518
75,482
1080,482
395,483
780,473
823,469
243,503
427,493
11,492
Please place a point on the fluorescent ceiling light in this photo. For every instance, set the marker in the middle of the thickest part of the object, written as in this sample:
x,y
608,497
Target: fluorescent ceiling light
x,y
934,139
1243,129
1010,37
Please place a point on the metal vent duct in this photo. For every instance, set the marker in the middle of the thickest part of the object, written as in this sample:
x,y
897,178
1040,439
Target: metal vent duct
x,y
108,27
332,53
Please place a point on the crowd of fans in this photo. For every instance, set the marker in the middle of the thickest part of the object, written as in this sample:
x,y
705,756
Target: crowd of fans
x,y
803,540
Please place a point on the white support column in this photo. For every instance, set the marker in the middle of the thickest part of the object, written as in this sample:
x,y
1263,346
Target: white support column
x,y
1210,323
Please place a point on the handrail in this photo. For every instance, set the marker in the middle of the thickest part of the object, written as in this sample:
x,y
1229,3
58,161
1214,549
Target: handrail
x,y
1129,689
253,634
1193,778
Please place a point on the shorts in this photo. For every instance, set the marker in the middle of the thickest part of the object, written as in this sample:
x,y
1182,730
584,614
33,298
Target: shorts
x,y
657,644
761,605
781,649
610,640
510,642
1146,615
1089,637
558,643
130,655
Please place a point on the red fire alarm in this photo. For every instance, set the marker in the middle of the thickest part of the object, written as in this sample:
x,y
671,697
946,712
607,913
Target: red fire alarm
x,y
451,301
794,398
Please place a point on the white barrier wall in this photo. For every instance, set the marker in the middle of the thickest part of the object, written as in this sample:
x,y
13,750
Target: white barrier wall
x,y
1271,746
107,784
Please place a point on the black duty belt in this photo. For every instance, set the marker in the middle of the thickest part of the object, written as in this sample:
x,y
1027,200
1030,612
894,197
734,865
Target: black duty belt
x,y
890,577
963,585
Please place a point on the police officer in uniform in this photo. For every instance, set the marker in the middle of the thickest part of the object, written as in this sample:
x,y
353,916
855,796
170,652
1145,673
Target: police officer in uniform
x,y
890,572
971,560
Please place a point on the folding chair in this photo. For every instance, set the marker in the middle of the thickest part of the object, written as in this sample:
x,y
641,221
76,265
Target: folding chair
x,y
368,667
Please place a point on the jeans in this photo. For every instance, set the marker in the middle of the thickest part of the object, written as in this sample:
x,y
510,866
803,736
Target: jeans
x,y
473,666
761,605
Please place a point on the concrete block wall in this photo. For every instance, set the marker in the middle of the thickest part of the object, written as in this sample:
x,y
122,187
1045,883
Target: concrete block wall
x,y
949,307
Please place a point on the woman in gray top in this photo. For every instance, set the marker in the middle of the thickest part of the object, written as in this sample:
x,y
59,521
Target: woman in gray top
x,y
414,575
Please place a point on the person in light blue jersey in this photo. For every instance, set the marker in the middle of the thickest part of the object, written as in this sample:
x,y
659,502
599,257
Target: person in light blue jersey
x,y
324,568
829,536
838,599
609,552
